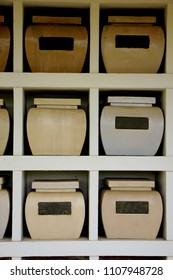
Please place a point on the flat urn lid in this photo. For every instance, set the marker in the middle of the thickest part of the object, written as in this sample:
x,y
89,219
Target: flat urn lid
x,y
57,102
131,101
130,184
56,186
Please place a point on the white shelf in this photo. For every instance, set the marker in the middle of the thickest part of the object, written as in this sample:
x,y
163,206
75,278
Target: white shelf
x,y
92,166
85,81
84,247
87,163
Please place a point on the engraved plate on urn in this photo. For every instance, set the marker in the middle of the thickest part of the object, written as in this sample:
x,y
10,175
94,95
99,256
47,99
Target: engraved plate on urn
x,y
55,210
131,209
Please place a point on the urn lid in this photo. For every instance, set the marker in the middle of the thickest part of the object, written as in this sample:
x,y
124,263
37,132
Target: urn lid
x,y
2,180
57,102
56,186
130,184
131,101
132,19
56,20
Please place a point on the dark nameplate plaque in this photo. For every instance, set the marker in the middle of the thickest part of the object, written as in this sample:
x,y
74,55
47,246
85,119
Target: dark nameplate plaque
x,y
131,123
56,43
132,41
132,207
54,208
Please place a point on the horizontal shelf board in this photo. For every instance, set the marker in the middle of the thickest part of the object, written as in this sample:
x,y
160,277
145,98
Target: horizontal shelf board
x,y
83,247
115,3
88,163
85,81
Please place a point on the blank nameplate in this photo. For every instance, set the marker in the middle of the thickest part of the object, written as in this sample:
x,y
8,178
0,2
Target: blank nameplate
x,y
132,41
56,43
132,123
54,208
132,207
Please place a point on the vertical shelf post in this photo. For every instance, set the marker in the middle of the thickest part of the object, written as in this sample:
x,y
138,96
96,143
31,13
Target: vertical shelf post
x,y
167,104
93,205
94,37
18,36
94,122
18,205
166,179
18,142
169,39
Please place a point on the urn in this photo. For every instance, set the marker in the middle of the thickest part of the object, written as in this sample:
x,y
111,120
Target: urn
x,y
4,44
131,126
56,44
55,210
132,45
56,127
4,208
4,127
131,209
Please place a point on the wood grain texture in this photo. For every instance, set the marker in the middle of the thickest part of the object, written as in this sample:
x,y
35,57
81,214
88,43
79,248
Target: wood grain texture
x,y
4,211
60,20
4,46
56,131
4,129
131,19
129,59
56,60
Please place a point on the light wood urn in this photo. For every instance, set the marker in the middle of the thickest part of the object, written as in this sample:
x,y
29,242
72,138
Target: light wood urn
x,y
132,45
131,209
56,44
4,44
4,208
55,210
131,126
4,127
56,127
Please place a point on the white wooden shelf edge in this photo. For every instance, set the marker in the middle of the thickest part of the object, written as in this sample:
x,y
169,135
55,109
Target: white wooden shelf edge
x,y
158,247
88,163
85,81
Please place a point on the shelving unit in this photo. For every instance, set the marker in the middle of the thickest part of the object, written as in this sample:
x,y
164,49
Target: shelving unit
x,y
21,167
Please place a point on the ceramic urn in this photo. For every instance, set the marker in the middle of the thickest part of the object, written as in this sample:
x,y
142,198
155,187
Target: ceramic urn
x,y
4,44
131,209
132,45
55,210
131,126
56,127
56,44
4,127
4,208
